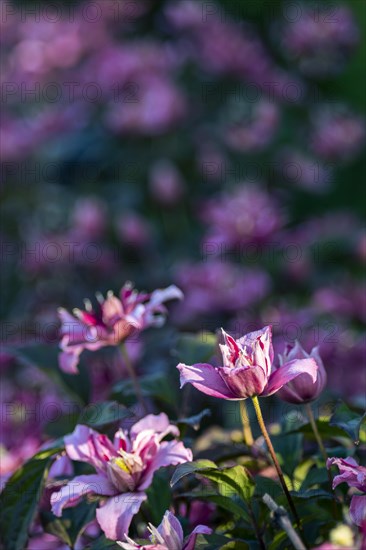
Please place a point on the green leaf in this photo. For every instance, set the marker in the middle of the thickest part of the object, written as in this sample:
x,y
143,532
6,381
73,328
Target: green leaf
x,y
315,476
102,543
235,480
100,414
195,420
219,542
72,523
159,496
20,498
188,468
312,493
349,421
288,448
156,385
195,348
326,431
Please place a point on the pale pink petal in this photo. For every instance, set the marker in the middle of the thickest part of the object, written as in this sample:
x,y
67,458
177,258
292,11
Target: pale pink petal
x,y
159,423
207,379
71,494
115,516
160,296
288,372
191,539
87,445
263,335
358,509
171,531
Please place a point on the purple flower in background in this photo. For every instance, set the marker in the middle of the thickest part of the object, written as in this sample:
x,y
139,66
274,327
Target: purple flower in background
x,y
355,476
337,134
247,369
114,320
215,286
168,536
125,469
303,388
247,215
320,40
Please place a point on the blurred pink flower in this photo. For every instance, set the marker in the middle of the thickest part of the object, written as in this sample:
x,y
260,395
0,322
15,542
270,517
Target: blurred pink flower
x,y
247,369
114,321
168,536
337,135
303,388
248,215
166,183
125,469
217,285
355,476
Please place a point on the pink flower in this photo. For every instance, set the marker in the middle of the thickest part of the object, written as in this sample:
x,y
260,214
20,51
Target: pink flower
x,y
168,536
355,476
247,369
114,321
302,389
125,469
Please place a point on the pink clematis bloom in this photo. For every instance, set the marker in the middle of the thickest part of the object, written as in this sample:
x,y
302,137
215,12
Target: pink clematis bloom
x,y
355,476
114,321
247,369
302,389
168,536
124,469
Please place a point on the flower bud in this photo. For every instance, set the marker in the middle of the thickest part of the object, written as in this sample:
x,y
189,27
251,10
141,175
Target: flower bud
x,y
302,389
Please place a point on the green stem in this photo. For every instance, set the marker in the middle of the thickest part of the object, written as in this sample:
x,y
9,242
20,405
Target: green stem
x,y
247,432
274,458
133,376
309,412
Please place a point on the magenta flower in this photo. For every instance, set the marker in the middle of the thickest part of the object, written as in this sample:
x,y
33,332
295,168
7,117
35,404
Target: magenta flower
x,y
114,321
125,469
247,369
355,476
302,389
168,536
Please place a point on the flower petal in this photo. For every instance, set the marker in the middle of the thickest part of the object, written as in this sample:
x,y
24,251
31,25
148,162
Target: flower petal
x,y
171,531
87,445
159,423
288,372
358,509
191,539
71,493
115,516
205,378
244,382
168,453
68,360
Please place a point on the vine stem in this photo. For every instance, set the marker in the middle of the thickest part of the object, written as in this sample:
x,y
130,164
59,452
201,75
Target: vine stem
x,y
247,432
133,376
310,414
272,452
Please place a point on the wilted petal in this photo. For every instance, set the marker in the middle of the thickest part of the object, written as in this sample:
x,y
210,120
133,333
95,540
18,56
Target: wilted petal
x,y
191,539
205,378
71,494
244,381
358,509
115,516
288,372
